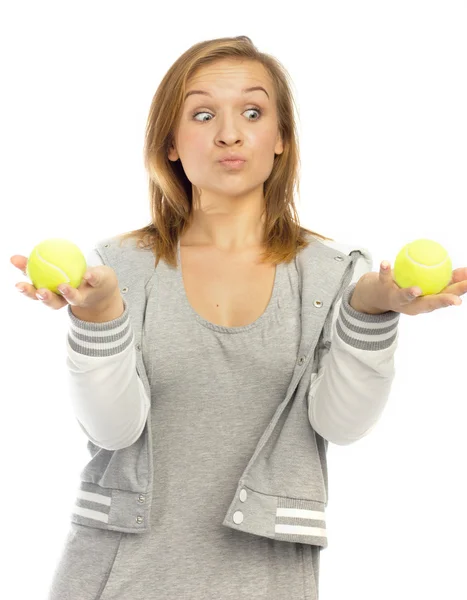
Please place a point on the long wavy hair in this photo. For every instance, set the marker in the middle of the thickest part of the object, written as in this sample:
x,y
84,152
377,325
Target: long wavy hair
x,y
170,191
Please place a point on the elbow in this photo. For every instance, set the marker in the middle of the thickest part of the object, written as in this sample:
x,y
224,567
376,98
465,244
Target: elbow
x,y
341,440
127,438
133,437
347,440
121,445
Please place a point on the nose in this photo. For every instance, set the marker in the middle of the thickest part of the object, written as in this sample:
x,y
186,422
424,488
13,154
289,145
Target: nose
x,y
229,131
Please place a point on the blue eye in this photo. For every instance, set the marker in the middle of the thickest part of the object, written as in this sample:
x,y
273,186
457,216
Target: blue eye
x,y
258,110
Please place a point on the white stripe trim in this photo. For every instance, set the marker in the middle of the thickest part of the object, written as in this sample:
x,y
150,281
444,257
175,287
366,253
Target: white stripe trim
x,y
93,497
91,514
301,530
102,332
107,345
301,513
367,337
359,323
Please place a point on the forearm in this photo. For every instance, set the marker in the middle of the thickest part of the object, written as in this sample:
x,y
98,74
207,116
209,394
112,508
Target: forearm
x,y
357,304
107,395
111,310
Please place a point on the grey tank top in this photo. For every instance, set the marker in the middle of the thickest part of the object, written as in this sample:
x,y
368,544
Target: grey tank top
x,y
214,390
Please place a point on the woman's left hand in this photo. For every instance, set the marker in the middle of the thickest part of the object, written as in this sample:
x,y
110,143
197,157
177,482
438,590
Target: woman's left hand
x,y
376,293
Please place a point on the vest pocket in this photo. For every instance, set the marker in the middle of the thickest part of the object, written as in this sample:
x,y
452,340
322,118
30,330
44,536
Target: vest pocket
x,y
85,563
311,556
112,566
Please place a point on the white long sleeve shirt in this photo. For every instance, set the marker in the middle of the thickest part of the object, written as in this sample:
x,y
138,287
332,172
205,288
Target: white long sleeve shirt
x,y
111,406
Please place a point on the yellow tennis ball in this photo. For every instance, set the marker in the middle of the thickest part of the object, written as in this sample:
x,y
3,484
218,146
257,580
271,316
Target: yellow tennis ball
x,y
425,264
55,261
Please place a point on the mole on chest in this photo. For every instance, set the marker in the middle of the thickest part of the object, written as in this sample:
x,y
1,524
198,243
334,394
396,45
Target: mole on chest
x,y
231,293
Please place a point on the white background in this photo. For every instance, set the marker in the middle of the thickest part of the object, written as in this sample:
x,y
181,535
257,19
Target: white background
x,y
382,94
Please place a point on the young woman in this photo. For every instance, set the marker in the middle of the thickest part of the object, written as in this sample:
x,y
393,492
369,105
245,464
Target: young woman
x,y
213,357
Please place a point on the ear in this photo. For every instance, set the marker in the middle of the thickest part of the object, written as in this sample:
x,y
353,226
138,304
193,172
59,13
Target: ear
x,y
279,147
172,153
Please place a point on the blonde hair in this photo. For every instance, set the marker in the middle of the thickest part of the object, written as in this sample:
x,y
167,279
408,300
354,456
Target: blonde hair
x,y
170,191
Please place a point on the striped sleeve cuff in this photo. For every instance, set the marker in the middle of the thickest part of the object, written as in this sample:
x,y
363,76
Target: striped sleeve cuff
x,y
365,331
100,339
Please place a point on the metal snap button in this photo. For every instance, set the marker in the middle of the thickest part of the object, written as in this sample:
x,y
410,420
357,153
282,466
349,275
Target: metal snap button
x,y
238,517
301,360
318,303
339,258
124,290
141,498
139,519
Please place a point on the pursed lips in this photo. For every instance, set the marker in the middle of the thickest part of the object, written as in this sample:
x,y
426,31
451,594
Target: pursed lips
x,y
232,163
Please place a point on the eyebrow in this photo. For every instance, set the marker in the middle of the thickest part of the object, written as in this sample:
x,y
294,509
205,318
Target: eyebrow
x,y
245,91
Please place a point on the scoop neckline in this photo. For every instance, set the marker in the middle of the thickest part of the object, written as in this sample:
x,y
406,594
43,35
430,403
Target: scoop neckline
x,y
221,328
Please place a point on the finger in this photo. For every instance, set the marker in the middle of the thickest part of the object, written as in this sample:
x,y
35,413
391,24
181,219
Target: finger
x,y
444,301
411,293
72,295
91,277
405,294
459,289
20,262
451,300
435,301
50,299
94,276
385,272
459,275
26,289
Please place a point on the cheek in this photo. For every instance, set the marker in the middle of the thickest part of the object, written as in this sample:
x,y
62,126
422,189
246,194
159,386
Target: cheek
x,y
195,152
262,140
195,147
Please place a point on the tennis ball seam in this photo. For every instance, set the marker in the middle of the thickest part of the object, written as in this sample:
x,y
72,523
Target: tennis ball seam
x,y
437,266
49,264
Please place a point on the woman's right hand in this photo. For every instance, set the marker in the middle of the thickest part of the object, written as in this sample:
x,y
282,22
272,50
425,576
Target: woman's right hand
x,y
94,294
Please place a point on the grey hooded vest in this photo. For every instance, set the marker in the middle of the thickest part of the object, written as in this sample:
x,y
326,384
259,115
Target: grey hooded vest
x,y
277,495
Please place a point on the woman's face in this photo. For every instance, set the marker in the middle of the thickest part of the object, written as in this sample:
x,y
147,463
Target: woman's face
x,y
225,120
